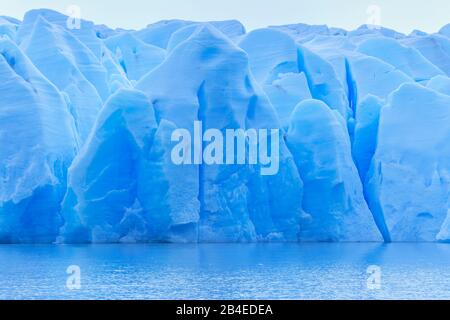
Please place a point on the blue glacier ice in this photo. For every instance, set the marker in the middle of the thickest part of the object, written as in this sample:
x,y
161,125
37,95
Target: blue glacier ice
x,y
81,45
382,80
406,59
68,64
277,70
366,132
333,193
323,81
440,84
8,27
39,141
162,33
433,47
135,56
408,181
88,113
103,202
235,203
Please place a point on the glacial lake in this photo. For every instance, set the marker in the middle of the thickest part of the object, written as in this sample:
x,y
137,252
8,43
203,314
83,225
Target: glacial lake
x,y
226,271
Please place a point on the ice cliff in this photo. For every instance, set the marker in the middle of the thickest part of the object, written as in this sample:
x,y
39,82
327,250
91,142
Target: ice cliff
x,y
87,116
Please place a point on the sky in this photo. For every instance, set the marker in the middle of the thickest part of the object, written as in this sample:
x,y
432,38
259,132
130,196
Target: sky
x,y
401,15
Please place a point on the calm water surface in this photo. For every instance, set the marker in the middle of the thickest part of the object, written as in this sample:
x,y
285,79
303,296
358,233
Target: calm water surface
x,y
226,271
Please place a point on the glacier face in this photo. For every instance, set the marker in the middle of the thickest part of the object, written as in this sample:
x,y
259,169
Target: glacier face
x,y
39,142
87,115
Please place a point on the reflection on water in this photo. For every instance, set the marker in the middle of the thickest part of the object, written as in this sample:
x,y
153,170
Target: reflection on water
x,y
227,271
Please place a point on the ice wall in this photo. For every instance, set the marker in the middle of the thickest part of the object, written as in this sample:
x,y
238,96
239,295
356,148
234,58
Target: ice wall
x,y
87,116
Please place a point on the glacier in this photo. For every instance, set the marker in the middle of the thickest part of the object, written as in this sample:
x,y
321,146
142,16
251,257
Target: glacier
x,y
88,113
